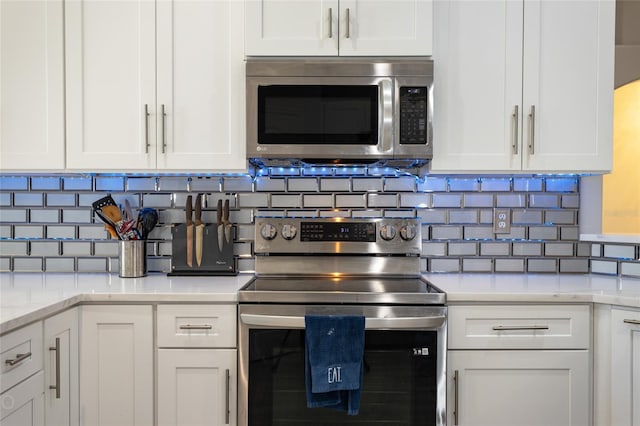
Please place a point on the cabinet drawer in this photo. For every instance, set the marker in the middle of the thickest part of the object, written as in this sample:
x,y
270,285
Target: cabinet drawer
x,y
21,355
196,326
519,327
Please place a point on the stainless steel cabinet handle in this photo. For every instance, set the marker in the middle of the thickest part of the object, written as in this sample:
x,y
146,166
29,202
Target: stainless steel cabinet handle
x,y
631,321
18,359
146,129
532,133
164,139
455,396
196,327
346,34
227,413
514,124
520,327
330,23
282,321
57,385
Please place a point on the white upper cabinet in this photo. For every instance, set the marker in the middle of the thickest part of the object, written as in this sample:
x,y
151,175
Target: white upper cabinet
x,y
110,66
31,85
200,85
155,85
338,27
523,85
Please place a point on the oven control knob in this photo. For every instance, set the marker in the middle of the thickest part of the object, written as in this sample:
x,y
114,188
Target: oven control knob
x,y
289,231
268,231
408,232
387,232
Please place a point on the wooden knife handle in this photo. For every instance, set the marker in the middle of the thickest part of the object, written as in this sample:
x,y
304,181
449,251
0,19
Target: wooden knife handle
x,y
219,212
189,209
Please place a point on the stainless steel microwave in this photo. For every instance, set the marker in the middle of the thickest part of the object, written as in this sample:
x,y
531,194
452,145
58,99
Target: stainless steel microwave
x,y
326,110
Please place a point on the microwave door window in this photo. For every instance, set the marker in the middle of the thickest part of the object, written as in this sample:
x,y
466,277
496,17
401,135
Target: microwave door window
x,y
299,115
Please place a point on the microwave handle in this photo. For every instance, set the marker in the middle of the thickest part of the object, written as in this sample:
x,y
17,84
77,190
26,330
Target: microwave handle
x,y
386,114
296,322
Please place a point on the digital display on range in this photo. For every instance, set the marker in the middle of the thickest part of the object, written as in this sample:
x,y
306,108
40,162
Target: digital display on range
x,y
338,231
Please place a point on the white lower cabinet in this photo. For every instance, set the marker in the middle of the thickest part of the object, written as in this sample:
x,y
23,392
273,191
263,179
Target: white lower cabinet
x,y
61,369
116,365
523,387
625,367
197,365
519,365
23,405
196,387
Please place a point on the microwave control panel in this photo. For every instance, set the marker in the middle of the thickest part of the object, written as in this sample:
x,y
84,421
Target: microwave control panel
x,y
413,115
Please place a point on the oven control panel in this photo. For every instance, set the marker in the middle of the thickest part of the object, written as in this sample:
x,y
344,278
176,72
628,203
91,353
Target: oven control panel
x,y
337,235
337,231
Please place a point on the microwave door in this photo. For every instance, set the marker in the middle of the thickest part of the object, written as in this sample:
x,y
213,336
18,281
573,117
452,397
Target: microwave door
x,y
320,118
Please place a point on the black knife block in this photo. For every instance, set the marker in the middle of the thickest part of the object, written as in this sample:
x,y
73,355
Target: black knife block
x,y
214,260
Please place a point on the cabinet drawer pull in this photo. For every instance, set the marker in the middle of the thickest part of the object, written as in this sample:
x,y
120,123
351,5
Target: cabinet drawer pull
x,y
163,114
57,385
146,129
520,327
227,412
631,321
456,382
532,132
514,137
346,34
196,327
330,23
18,359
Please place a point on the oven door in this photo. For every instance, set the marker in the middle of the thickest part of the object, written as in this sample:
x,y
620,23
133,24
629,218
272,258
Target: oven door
x,y
404,366
317,117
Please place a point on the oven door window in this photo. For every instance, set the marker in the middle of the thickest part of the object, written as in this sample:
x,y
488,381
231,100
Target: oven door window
x,y
399,384
318,114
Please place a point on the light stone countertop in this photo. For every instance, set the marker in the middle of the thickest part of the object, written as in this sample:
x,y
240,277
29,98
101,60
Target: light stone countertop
x,y
538,288
29,297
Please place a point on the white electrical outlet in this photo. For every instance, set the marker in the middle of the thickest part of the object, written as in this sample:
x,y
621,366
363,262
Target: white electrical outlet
x,y
501,221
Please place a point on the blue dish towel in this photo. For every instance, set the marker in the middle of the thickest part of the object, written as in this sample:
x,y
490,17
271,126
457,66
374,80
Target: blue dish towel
x,y
334,348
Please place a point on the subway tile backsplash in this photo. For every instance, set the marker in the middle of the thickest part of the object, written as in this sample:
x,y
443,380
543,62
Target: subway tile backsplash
x,y
47,224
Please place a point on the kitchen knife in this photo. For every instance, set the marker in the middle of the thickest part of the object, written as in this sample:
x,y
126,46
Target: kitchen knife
x,y
189,233
225,220
199,230
220,225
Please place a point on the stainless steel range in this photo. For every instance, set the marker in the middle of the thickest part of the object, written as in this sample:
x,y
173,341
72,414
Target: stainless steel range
x,y
368,267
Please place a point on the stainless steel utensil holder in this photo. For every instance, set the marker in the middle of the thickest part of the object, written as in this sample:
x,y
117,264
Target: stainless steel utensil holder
x,y
133,258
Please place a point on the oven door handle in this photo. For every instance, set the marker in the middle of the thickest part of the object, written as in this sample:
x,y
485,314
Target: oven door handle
x,y
401,323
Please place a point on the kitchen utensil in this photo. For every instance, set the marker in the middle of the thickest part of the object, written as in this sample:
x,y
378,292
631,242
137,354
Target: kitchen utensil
x,y
147,220
225,220
107,209
112,231
128,212
189,210
220,225
199,229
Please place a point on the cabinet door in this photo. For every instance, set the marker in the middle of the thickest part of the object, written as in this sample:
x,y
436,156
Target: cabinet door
x,y
625,370
196,387
61,369
110,79
386,27
201,85
116,365
32,85
568,79
513,388
291,27
478,63
23,405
